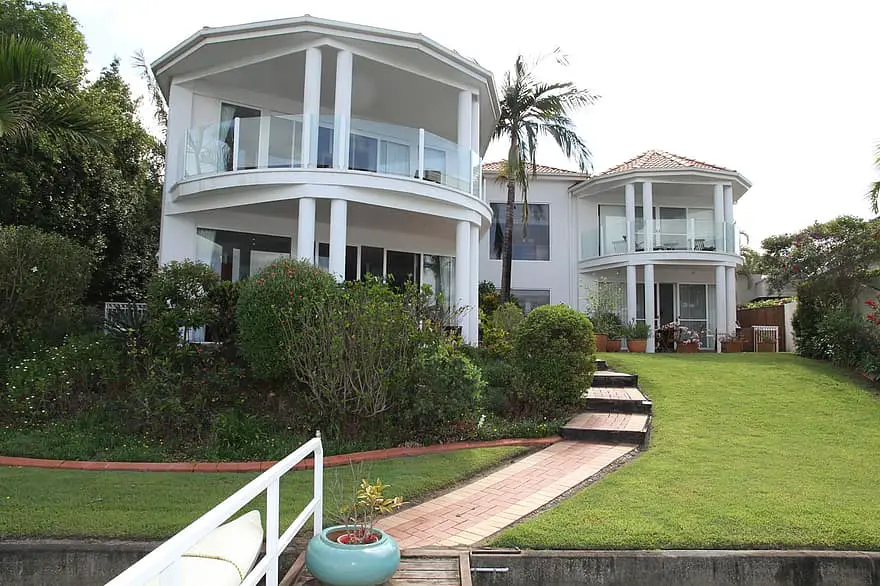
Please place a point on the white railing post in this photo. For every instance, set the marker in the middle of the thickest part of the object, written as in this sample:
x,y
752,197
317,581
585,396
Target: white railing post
x,y
691,233
272,529
318,515
421,153
236,137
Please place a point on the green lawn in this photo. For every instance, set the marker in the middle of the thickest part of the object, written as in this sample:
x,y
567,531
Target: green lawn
x,y
52,503
748,451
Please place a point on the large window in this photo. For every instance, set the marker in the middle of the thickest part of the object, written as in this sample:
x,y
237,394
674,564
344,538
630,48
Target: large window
x,y
531,243
235,256
529,299
248,139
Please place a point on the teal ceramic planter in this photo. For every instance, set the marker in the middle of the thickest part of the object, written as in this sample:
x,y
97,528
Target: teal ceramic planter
x,y
339,564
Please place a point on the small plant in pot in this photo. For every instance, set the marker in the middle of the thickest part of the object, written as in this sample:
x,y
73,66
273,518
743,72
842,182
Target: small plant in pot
x,y
637,333
686,340
355,553
730,343
604,322
614,335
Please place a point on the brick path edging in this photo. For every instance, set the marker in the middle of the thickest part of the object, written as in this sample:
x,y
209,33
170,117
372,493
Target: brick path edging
x,y
338,460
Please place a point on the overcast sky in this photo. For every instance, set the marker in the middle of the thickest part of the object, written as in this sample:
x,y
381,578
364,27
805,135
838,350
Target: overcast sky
x,y
786,92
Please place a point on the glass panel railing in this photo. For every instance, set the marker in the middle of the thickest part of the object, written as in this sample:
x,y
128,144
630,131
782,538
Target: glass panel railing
x,y
673,235
295,141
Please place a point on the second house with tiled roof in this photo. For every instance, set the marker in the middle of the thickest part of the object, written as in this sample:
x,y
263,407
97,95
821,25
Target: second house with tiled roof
x,y
657,231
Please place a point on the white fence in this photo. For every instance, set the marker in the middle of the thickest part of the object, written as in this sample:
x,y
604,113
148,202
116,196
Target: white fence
x,y
112,308
766,335
164,561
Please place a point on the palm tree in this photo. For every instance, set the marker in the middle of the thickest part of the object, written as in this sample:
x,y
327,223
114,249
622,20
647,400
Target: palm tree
x,y
874,193
530,109
35,98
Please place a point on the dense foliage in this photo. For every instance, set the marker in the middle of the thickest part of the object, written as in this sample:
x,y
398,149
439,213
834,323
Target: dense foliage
x,y
104,195
554,349
43,277
286,286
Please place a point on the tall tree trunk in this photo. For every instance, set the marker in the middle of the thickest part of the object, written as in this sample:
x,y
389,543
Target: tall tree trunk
x,y
507,249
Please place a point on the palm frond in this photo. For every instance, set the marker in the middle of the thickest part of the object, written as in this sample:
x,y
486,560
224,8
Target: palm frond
x,y
874,191
160,108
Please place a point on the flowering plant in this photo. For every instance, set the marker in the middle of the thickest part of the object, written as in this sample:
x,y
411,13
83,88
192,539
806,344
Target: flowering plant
x,y
874,316
727,338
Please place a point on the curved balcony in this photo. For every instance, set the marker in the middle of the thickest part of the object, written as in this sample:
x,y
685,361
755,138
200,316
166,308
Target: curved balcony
x,y
276,142
677,236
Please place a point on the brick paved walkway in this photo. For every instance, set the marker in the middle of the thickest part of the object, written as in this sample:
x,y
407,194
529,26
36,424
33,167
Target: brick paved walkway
x,y
616,393
482,508
610,421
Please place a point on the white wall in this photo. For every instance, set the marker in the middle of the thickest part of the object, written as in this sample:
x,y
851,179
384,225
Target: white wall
x,y
558,275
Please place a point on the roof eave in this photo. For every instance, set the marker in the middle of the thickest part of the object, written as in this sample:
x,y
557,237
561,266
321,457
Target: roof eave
x,y
589,185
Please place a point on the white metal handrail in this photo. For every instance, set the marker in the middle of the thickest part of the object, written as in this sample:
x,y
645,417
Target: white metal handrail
x,y
164,561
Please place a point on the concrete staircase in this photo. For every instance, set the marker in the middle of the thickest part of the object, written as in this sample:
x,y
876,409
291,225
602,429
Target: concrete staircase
x,y
617,411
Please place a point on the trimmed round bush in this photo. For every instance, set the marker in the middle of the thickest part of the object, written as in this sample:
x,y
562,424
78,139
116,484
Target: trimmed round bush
x,y
285,286
180,295
553,352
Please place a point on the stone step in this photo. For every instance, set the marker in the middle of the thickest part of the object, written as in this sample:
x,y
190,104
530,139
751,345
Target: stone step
x,y
609,378
617,399
601,426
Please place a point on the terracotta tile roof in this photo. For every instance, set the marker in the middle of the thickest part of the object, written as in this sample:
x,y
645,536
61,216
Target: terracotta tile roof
x,y
661,160
495,166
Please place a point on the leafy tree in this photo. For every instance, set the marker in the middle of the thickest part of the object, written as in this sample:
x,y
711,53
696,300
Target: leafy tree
x,y
51,25
530,109
839,257
874,192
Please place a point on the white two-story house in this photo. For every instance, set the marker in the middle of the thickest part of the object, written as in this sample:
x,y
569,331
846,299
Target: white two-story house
x,y
352,147
658,229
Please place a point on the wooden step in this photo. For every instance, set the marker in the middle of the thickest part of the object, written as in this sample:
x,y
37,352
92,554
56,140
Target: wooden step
x,y
609,378
607,427
441,568
617,399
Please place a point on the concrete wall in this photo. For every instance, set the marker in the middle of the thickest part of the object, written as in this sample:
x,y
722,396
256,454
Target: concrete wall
x,y
681,568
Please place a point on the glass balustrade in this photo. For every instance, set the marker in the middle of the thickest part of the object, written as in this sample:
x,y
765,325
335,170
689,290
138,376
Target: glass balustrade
x,y
276,142
668,235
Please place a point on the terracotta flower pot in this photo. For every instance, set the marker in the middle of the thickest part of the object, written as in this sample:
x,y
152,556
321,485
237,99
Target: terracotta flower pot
x,y
689,348
601,342
636,345
732,347
765,347
613,346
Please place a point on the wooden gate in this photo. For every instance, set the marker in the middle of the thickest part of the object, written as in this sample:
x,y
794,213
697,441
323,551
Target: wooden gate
x,y
761,316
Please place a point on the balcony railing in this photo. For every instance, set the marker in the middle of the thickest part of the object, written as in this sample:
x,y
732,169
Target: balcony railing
x,y
669,235
276,142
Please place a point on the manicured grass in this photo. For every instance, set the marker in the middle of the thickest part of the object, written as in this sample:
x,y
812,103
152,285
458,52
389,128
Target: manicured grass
x,y
748,451
59,503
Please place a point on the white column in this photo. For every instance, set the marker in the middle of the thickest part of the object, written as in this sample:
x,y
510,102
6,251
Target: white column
x,y
263,145
630,292
476,178
731,299
342,110
465,132
463,273
630,198
648,214
305,234
728,219
311,107
649,304
474,313
338,237
721,300
720,232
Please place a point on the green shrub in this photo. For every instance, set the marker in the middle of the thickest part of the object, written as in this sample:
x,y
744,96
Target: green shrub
x,y
444,389
43,278
63,381
180,296
553,352
636,330
500,326
286,286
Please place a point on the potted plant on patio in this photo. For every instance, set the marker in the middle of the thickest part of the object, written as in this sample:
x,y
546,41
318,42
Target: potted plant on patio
x,y
637,333
687,341
614,335
355,553
603,323
730,343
